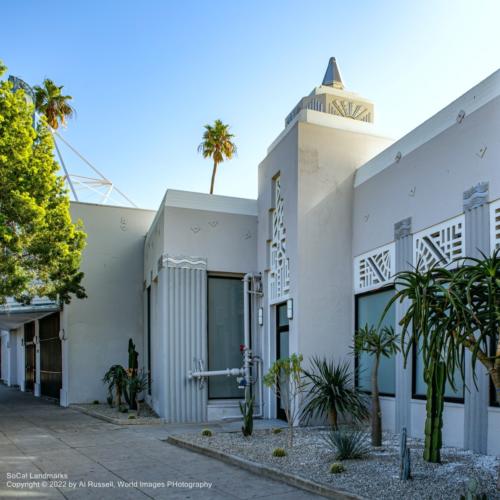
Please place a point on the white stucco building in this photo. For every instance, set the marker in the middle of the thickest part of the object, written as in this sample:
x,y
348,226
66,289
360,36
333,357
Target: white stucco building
x,y
340,210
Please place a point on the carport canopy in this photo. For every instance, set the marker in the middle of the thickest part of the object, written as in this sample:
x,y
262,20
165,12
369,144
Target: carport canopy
x,y
13,314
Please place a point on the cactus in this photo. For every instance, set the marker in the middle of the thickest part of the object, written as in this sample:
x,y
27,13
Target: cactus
x,y
404,454
133,357
279,452
133,364
336,468
436,379
246,409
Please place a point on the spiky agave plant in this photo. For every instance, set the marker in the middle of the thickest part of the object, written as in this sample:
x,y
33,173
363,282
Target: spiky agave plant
x,y
348,443
331,392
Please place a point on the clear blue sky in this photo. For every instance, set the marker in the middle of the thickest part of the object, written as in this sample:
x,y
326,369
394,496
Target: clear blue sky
x,y
146,76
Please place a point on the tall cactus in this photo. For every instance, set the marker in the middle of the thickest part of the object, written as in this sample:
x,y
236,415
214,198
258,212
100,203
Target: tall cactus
x,y
436,379
133,356
133,365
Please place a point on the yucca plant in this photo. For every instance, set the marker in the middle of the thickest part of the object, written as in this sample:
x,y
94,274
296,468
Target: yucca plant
x,y
377,343
331,392
348,443
116,379
136,384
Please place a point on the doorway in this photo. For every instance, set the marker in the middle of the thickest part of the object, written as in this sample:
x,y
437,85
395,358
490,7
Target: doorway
x,y
50,357
29,357
282,348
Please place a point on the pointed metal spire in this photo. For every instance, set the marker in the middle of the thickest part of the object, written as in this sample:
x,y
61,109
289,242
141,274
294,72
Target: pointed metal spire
x,y
332,75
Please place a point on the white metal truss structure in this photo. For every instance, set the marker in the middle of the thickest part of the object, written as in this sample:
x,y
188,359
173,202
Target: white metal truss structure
x,y
439,244
94,187
374,269
279,275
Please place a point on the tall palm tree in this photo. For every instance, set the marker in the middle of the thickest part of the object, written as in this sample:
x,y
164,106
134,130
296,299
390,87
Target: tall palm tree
x,y
376,343
50,102
217,144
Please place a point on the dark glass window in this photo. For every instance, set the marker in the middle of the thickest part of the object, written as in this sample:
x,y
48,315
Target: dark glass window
x,y
225,334
369,309
148,312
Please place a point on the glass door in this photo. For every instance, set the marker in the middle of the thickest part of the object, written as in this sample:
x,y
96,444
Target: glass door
x,y
29,357
282,349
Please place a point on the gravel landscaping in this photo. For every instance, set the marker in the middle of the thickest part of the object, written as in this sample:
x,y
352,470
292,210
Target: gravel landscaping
x,y
111,414
374,477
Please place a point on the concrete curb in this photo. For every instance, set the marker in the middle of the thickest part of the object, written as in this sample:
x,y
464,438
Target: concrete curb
x,y
265,470
117,421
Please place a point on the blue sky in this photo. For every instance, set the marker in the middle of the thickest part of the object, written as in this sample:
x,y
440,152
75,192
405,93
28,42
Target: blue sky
x,y
146,76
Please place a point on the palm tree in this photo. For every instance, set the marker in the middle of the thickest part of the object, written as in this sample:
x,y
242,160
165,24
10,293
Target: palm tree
x,y
332,392
50,102
376,343
217,144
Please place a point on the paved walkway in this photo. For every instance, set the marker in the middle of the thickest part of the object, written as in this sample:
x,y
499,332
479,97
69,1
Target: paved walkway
x,y
38,437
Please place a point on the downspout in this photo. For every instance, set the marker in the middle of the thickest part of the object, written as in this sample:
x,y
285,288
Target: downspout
x,y
248,358
246,332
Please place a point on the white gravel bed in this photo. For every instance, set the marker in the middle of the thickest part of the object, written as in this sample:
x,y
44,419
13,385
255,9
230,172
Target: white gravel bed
x,y
373,477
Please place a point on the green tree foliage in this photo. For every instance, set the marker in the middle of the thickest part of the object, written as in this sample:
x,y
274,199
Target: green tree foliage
x,y
217,144
285,379
40,247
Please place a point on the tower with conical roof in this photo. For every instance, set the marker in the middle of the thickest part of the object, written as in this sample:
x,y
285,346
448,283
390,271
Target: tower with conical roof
x,y
305,235
332,98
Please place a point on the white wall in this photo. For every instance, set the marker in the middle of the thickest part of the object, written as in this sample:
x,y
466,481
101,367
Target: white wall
x,y
226,240
98,328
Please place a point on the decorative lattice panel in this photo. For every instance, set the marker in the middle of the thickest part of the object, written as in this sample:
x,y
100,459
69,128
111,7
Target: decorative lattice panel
x,y
374,269
495,225
279,275
440,244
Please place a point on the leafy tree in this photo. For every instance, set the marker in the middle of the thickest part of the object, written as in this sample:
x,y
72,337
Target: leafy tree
x,y
286,381
217,144
331,392
376,343
40,247
51,103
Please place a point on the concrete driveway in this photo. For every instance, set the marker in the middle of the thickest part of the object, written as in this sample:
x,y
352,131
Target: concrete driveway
x,y
51,452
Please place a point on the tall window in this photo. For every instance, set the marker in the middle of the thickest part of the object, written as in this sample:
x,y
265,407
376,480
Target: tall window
x,y
282,351
369,309
494,401
148,312
420,387
225,333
